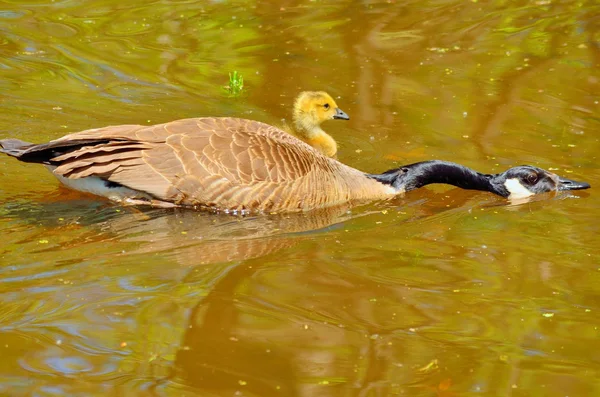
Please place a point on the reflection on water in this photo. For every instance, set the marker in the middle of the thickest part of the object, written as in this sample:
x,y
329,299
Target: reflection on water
x,y
442,292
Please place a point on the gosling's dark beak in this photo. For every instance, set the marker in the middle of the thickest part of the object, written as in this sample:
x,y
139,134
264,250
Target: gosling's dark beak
x,y
568,184
339,114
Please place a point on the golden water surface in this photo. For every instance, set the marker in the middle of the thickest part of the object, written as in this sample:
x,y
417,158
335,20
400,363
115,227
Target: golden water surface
x,y
442,292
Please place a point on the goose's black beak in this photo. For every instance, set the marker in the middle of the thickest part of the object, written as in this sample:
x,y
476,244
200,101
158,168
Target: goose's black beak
x,y
568,184
339,114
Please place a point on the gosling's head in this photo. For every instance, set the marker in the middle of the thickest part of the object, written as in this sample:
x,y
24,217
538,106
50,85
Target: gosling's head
x,y
525,180
314,107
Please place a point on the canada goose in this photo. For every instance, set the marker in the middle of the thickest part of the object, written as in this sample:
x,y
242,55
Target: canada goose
x,y
312,108
233,164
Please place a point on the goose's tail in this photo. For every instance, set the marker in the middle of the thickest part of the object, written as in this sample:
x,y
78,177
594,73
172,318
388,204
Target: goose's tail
x,y
14,147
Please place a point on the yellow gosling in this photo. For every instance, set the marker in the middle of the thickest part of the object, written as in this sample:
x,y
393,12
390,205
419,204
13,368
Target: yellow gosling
x,y
312,108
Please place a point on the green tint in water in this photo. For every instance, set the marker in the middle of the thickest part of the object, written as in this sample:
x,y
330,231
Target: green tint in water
x,y
440,293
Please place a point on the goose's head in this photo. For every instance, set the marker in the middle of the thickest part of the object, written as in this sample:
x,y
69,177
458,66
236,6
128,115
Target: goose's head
x,y
314,107
525,180
514,183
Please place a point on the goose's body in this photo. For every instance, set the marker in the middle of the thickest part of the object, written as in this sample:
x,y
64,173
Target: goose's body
x,y
242,165
223,163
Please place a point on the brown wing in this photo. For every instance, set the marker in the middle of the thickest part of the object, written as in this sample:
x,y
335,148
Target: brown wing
x,y
227,163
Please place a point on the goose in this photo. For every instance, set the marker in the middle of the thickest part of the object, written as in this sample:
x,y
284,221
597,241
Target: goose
x,y
311,109
238,165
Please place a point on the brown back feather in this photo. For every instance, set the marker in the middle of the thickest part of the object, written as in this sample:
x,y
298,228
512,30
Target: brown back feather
x,y
227,163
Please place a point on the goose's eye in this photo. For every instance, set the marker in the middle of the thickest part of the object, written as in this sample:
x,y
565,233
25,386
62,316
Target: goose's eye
x,y
532,178
326,106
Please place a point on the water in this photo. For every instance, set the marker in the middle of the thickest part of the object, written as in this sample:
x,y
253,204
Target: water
x,y
442,292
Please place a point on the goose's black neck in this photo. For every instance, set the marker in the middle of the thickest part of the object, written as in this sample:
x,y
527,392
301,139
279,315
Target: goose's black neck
x,y
414,176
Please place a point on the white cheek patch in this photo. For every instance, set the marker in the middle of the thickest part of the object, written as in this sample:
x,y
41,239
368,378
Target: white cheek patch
x,y
516,189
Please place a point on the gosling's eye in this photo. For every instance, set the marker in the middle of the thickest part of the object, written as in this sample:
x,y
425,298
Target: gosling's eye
x,y
532,178
326,106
